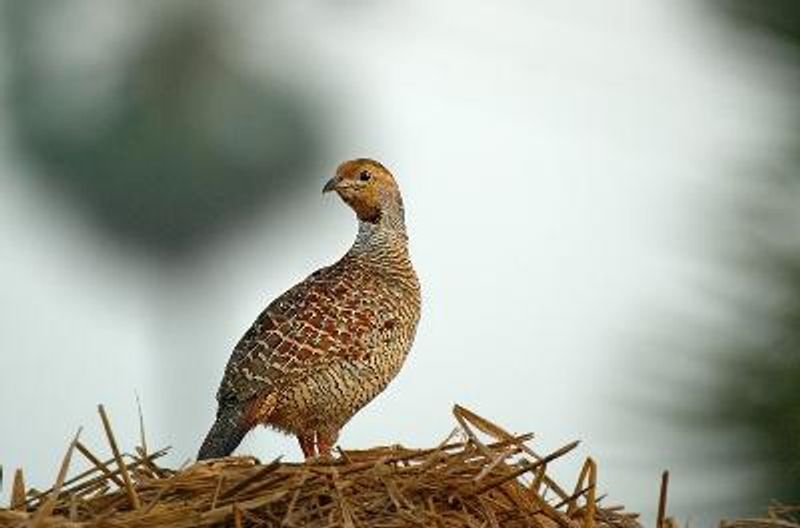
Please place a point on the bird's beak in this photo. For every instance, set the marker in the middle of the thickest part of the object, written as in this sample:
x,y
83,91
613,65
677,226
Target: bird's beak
x,y
331,185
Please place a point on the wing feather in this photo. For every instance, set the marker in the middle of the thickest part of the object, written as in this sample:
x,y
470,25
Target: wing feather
x,y
318,321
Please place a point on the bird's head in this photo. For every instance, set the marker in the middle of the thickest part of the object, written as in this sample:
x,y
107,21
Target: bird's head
x,y
368,187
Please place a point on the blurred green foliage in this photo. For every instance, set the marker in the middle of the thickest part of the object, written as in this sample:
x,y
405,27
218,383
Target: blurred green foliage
x,y
778,19
171,141
757,394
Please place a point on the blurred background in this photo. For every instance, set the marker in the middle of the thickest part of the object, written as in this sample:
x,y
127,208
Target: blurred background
x,y
602,201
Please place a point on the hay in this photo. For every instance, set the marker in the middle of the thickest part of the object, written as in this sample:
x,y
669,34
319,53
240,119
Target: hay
x,y
466,481
778,516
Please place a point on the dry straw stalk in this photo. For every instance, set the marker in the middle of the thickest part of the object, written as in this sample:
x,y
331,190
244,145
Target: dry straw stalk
x,y
480,476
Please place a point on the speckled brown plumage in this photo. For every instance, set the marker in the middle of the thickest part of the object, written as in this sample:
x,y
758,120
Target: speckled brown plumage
x,y
329,345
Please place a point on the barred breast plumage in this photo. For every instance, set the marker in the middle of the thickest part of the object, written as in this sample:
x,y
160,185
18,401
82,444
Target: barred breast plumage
x,y
325,348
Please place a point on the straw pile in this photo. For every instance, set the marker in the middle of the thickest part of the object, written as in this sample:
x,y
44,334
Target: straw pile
x,y
778,516
479,476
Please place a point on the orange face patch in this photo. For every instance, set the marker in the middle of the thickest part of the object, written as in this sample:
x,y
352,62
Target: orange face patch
x,y
365,185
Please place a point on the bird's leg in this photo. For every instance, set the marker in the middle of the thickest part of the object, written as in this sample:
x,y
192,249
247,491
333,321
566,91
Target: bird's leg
x,y
326,441
308,445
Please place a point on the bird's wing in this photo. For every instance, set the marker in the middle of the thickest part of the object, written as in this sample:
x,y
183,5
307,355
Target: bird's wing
x,y
323,319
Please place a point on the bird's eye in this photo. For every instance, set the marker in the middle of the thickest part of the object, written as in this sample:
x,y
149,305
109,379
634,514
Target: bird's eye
x,y
364,176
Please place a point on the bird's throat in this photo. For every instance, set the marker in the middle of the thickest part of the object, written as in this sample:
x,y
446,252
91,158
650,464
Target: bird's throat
x,y
382,240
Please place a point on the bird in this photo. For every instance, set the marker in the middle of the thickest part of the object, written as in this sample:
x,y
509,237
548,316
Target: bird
x,y
329,345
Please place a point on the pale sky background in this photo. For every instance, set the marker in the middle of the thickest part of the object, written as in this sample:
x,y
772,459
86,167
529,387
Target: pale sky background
x,y
561,163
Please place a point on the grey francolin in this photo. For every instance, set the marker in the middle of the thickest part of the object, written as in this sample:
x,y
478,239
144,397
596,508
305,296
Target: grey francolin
x,y
325,348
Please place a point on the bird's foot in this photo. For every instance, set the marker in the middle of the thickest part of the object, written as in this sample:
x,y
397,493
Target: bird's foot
x,y
325,443
318,445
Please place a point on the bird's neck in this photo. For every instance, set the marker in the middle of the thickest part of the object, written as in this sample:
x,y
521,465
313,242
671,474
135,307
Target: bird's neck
x,y
382,246
384,239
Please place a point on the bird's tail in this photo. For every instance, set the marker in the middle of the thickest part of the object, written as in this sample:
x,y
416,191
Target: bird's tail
x,y
225,435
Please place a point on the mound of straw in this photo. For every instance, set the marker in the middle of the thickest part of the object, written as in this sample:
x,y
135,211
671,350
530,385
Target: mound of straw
x,y
778,516
479,476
